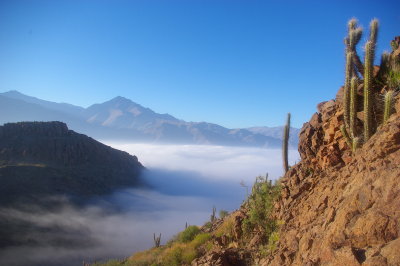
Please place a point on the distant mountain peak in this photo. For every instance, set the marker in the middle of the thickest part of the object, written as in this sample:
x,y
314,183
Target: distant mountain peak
x,y
120,99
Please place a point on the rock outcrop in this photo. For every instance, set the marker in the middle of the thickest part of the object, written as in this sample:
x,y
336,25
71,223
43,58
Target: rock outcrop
x,y
342,210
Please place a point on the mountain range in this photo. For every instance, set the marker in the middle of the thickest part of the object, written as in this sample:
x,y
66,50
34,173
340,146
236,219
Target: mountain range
x,y
124,120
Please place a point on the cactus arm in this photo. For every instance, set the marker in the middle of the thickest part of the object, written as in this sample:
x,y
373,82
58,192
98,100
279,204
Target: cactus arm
x,y
373,35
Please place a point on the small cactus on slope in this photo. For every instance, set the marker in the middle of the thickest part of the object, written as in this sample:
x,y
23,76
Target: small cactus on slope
x,y
285,144
388,106
157,240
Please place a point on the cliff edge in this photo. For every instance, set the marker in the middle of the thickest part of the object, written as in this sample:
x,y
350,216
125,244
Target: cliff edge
x,y
46,158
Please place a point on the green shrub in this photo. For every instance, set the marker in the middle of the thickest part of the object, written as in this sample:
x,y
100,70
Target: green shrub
x,y
173,256
200,239
188,234
223,214
260,207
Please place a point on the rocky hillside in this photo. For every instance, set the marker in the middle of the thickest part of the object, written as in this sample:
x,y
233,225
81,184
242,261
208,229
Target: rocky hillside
x,y
336,207
339,209
46,158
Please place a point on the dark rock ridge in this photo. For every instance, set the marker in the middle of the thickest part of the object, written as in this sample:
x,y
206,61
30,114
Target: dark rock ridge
x,y
46,158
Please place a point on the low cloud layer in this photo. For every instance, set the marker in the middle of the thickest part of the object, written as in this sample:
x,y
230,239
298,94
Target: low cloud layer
x,y
187,181
213,162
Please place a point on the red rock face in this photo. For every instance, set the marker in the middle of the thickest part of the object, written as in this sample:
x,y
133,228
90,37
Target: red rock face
x,y
344,215
321,143
340,208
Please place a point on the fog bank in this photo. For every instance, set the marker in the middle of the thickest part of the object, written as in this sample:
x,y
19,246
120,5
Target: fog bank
x,y
186,181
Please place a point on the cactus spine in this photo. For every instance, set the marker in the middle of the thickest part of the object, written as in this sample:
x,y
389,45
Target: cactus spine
x,y
285,144
388,105
353,106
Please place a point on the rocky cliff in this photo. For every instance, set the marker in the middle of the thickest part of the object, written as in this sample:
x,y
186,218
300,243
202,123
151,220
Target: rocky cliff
x,y
336,207
339,209
46,158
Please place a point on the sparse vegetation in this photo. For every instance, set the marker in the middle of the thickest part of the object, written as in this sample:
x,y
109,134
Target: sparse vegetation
x,y
188,234
213,216
223,214
260,207
186,246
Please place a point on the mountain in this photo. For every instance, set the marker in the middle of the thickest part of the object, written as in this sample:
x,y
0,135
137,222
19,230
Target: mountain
x,y
63,107
123,119
46,158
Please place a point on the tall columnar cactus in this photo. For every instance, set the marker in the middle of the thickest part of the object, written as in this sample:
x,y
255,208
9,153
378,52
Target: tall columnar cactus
x,y
353,106
388,106
346,94
285,144
368,75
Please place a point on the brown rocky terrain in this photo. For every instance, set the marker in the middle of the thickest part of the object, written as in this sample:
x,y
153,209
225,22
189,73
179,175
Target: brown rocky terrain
x,y
336,207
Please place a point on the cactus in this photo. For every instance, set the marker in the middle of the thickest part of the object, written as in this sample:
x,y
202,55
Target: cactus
x,y
373,34
368,73
346,94
353,106
285,144
346,136
356,144
157,240
213,216
351,41
388,106
352,24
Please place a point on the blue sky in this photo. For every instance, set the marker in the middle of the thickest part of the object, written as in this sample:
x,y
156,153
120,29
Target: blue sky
x,y
234,63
